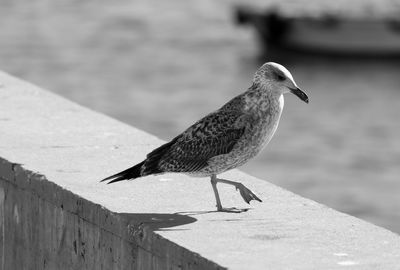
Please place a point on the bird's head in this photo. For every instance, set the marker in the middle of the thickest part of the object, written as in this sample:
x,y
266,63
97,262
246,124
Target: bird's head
x,y
276,78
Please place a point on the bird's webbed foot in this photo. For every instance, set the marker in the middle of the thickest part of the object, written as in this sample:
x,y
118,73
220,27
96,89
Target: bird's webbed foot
x,y
246,193
232,210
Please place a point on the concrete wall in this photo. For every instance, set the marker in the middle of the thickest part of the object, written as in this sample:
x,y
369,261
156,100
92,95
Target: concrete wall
x,y
54,214
43,226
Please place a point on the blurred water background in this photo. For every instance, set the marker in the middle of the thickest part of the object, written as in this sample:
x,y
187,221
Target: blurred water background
x,y
161,65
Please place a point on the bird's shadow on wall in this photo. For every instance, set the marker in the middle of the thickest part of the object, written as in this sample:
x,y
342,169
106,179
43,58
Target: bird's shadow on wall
x,y
164,222
157,221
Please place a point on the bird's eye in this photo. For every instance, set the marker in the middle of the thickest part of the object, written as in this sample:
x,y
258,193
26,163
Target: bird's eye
x,y
280,77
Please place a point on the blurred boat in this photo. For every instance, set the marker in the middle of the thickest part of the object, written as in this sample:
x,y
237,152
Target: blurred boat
x,y
327,33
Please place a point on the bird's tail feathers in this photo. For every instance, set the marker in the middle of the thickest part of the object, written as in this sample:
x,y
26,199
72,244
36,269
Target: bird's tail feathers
x,y
151,167
131,173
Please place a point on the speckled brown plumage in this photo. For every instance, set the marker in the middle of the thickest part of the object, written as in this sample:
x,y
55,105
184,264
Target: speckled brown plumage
x,y
226,138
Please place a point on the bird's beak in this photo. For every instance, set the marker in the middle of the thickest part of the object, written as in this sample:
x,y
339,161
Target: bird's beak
x,y
299,93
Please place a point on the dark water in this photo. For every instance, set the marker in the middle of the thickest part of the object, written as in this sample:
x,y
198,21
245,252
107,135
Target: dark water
x,y
161,65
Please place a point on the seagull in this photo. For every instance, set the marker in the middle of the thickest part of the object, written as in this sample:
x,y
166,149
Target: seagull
x,y
226,138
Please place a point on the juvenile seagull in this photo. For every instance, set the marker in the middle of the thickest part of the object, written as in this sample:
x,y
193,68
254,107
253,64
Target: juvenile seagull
x,y
224,139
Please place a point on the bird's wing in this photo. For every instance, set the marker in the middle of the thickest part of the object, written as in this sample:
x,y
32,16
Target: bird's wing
x,y
215,134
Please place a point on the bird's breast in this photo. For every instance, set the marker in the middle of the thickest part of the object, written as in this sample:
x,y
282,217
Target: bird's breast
x,y
260,133
260,129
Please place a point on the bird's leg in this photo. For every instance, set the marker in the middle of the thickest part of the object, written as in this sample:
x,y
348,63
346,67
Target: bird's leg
x,y
246,193
214,181
214,186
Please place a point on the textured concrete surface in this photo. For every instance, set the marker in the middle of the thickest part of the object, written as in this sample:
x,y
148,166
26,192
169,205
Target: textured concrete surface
x,y
73,148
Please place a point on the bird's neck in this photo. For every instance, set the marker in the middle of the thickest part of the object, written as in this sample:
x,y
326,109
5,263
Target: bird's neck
x,y
263,100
